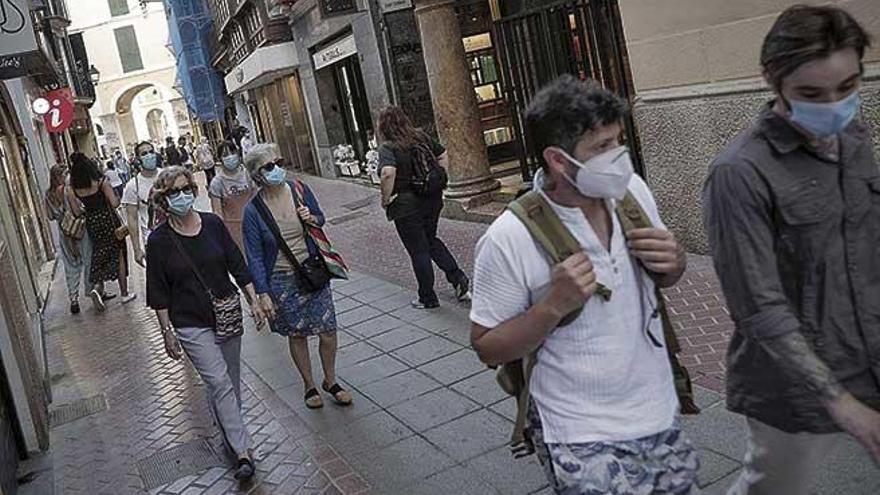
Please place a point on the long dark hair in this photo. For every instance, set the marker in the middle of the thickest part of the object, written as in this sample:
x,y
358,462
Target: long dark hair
x,y
83,171
396,127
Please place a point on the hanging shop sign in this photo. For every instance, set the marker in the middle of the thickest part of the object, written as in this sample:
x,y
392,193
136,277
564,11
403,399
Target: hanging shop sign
x,y
17,40
394,5
61,110
343,48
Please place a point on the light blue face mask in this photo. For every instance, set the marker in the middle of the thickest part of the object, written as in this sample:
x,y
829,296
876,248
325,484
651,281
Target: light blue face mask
x,y
149,161
825,119
276,176
231,162
181,203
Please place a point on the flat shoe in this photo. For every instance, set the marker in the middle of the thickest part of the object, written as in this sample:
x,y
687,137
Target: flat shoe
x,y
245,469
98,301
340,395
313,399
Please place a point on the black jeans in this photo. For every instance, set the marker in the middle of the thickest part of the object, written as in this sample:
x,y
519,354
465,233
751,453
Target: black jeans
x,y
418,232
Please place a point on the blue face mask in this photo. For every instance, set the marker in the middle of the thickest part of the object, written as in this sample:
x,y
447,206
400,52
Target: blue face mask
x,y
825,119
276,176
231,162
181,203
149,161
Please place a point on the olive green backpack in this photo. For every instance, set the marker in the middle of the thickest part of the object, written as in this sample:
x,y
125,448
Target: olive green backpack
x,y
552,235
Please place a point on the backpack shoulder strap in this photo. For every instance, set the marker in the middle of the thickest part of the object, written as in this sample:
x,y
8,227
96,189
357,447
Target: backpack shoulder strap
x,y
631,214
545,226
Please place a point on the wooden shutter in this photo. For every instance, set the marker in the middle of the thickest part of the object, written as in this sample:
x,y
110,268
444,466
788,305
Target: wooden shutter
x,y
118,7
129,52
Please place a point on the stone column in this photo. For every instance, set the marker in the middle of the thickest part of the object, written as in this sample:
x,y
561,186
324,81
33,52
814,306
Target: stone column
x,y
455,103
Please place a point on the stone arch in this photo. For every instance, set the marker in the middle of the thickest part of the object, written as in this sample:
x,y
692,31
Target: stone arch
x,y
121,102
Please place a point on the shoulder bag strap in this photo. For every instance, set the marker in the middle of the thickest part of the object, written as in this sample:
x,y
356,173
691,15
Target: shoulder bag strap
x,y
270,222
189,261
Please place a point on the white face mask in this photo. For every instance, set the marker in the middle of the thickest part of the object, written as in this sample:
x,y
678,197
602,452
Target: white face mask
x,y
604,176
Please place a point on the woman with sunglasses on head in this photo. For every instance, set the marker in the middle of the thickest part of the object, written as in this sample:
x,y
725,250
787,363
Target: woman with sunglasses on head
x,y
92,193
136,198
285,248
231,189
197,304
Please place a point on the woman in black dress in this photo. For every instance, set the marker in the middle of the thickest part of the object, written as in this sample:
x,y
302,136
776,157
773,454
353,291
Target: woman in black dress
x,y
99,201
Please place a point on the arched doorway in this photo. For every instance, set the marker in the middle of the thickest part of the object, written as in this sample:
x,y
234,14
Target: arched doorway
x,y
157,125
144,112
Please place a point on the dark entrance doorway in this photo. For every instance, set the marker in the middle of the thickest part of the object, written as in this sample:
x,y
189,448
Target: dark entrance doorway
x,y
541,42
352,99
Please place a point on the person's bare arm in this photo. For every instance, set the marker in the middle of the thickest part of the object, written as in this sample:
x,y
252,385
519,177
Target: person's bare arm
x,y
217,206
443,160
573,283
134,231
110,194
388,176
172,345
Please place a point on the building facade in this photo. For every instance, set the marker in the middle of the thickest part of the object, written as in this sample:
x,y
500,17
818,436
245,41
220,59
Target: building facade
x,y
137,97
36,57
695,65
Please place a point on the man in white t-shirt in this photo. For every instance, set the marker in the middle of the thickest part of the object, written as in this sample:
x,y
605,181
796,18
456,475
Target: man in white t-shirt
x,y
603,408
136,199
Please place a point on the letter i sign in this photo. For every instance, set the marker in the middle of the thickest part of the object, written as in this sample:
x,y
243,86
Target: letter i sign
x,y
61,110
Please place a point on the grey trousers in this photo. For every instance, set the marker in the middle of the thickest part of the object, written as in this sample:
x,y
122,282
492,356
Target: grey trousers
x,y
777,462
220,368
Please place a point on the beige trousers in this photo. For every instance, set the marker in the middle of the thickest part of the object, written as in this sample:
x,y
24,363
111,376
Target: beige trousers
x,y
779,463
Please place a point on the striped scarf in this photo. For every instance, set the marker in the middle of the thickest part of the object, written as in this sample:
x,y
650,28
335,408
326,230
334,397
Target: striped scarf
x,y
337,266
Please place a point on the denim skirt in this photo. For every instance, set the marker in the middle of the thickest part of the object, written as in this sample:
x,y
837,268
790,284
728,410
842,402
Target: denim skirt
x,y
300,314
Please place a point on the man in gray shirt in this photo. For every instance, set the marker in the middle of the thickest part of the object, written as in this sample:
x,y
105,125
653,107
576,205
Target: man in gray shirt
x,y
792,208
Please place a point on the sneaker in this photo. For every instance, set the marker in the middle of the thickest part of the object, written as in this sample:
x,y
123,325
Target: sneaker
x,y
463,290
129,298
420,305
98,301
74,307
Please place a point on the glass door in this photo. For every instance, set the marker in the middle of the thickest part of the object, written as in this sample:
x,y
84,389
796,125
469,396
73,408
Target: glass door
x,y
353,102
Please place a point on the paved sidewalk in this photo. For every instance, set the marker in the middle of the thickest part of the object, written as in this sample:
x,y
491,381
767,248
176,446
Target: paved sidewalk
x,y
429,418
149,406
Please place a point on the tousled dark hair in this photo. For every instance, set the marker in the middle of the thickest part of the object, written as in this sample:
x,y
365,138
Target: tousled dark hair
x,y
804,33
83,171
565,109
226,148
396,127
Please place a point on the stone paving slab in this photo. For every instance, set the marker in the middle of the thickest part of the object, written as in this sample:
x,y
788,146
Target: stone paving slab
x,y
155,404
429,417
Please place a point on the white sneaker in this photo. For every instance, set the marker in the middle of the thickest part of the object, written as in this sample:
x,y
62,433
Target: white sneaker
x,y
98,301
129,298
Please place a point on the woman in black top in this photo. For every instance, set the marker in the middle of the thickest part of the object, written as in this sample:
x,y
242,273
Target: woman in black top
x,y
93,194
415,217
187,251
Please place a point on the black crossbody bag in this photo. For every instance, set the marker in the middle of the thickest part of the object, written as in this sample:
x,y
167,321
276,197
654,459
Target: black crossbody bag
x,y
313,273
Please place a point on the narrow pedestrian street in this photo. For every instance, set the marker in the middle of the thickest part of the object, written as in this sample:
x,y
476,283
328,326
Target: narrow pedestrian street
x,y
428,417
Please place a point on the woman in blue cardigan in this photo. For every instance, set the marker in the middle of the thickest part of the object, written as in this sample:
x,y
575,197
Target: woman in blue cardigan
x,y
287,209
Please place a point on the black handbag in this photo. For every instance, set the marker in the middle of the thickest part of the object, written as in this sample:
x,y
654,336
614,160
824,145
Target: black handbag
x,y
313,273
228,315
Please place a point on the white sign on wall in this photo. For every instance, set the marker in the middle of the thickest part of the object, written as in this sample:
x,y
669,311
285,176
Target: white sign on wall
x,y
335,52
394,5
16,30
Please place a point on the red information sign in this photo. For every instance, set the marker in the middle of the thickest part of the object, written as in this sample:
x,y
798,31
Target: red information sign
x,y
61,110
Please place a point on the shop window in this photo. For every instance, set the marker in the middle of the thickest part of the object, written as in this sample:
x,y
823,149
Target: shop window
x,y
484,75
118,7
129,51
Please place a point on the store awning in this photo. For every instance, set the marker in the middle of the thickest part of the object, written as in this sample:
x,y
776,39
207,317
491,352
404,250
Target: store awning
x,y
266,64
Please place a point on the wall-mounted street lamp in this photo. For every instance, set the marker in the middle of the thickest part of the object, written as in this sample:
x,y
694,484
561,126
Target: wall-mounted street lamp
x,y
94,75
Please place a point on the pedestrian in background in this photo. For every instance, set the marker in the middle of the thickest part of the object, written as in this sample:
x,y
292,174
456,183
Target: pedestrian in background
x,y
99,202
171,153
76,253
415,215
122,166
115,178
292,262
186,295
793,217
186,156
602,414
136,198
205,159
231,190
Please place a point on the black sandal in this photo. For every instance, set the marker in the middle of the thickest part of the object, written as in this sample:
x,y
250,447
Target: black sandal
x,y
245,469
313,399
340,395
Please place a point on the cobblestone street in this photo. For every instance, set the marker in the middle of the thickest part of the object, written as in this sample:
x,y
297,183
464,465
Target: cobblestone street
x,y
428,417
